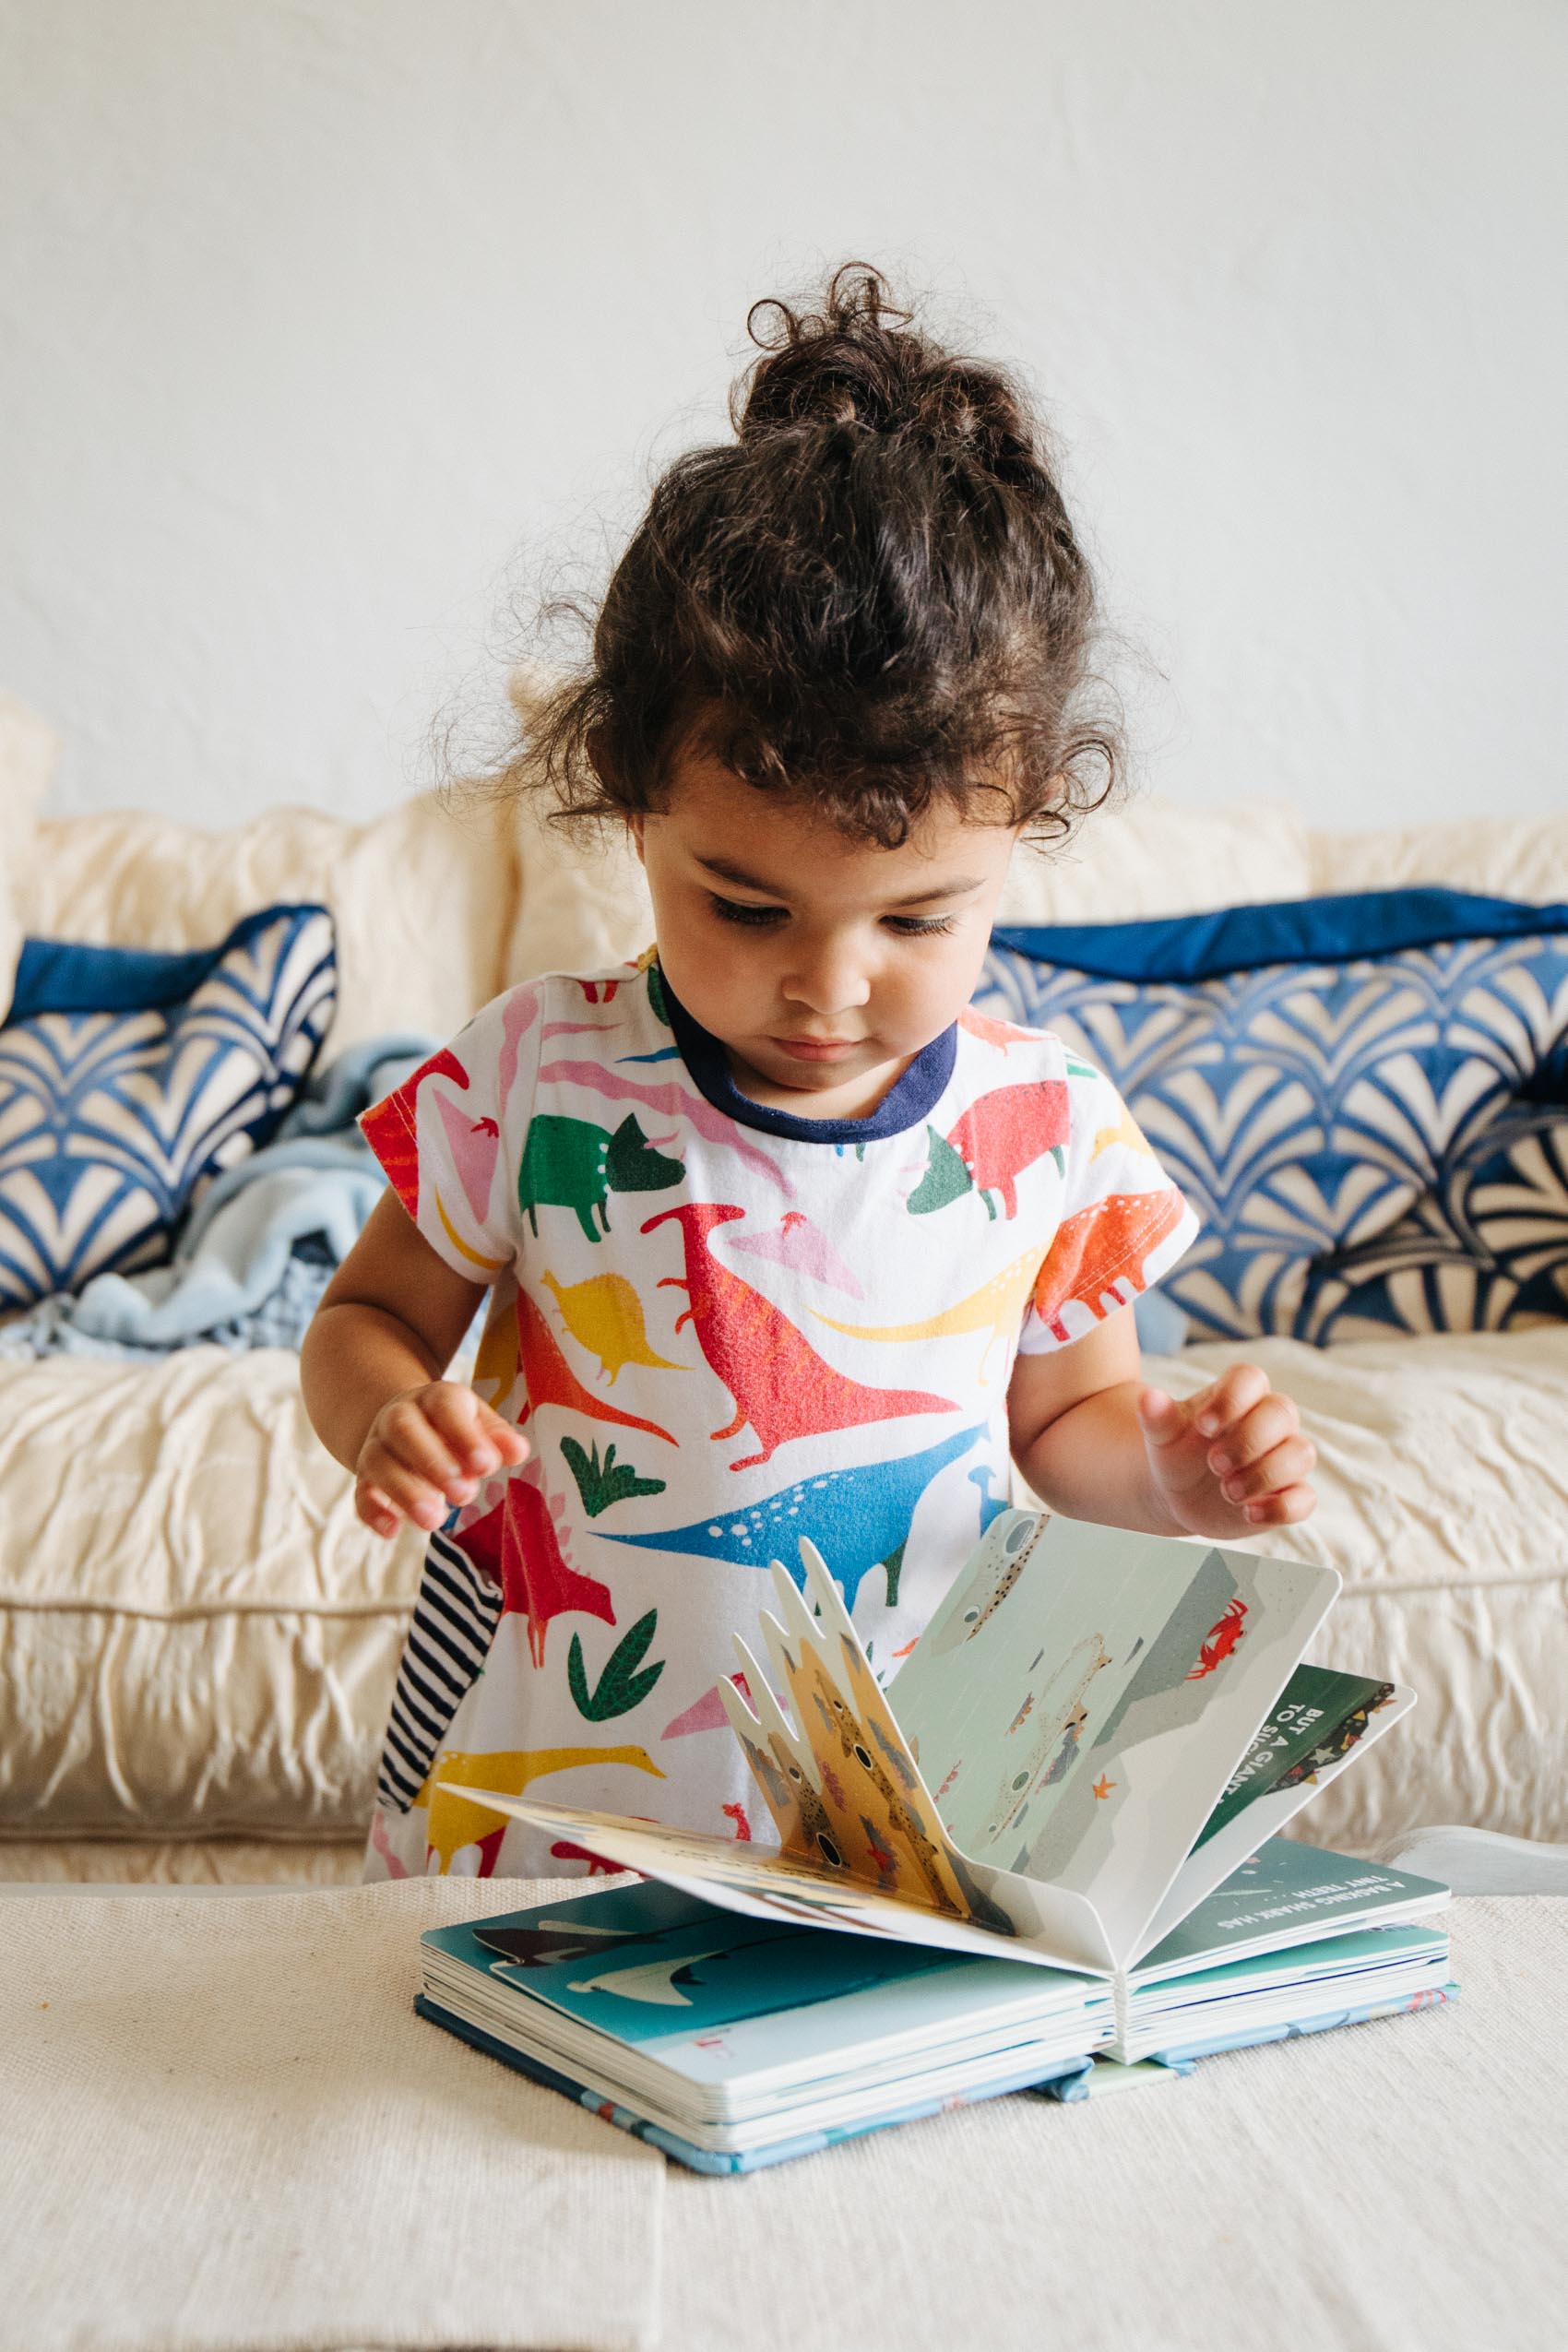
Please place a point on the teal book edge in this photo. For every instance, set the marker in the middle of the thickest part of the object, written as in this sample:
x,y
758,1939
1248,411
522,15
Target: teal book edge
x,y
709,2160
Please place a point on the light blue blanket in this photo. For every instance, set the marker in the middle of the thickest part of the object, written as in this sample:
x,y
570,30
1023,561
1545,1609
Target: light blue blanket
x,y
251,1260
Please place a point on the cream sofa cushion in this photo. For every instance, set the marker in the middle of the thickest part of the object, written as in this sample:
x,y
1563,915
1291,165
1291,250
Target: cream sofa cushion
x,y
580,905
29,751
195,1631
1157,858
1505,858
1441,1502
421,896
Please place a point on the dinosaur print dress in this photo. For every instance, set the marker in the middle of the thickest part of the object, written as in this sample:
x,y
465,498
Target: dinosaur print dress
x,y
722,1328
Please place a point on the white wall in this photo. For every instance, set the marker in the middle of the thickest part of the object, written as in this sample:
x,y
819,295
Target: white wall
x,y
314,313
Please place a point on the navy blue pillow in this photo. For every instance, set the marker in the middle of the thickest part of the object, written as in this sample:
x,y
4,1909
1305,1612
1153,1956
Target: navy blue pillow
x,y
1364,1097
128,1075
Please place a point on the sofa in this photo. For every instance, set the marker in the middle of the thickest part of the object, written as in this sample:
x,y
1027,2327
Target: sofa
x,y
197,1637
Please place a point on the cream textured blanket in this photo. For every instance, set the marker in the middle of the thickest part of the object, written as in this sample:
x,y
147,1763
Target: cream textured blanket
x,y
1392,2186
224,2129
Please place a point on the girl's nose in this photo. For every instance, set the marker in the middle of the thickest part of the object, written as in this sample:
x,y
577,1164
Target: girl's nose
x,y
831,981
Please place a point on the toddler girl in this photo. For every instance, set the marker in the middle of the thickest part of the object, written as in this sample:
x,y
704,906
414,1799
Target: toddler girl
x,y
781,1240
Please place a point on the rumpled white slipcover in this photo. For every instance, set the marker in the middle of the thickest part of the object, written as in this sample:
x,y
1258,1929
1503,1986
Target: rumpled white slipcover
x,y
227,2130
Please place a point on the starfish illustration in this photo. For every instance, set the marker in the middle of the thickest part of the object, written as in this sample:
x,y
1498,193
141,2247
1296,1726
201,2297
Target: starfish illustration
x,y
1102,1788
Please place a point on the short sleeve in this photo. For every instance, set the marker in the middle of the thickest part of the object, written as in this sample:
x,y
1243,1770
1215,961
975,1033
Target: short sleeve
x,y
1123,1224
445,1137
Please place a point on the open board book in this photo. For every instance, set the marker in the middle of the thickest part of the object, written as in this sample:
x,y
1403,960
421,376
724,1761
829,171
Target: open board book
x,y
1077,1779
1094,1731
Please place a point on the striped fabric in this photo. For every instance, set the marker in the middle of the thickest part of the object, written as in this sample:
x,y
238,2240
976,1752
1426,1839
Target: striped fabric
x,y
1365,1099
128,1076
455,1614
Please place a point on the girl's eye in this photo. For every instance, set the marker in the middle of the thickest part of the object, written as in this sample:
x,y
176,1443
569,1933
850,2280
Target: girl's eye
x,y
918,926
734,910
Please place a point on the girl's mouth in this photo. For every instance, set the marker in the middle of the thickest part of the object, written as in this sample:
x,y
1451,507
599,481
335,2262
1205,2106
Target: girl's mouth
x,y
810,1049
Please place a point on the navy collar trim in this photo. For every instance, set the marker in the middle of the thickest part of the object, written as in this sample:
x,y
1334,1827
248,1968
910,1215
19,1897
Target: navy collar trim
x,y
906,1102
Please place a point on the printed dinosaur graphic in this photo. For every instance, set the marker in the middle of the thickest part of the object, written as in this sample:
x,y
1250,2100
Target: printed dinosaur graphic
x,y
998,1033
389,1128
551,1380
382,1844
456,1821
573,1163
946,1178
496,1361
859,1516
657,996
576,1028
1126,1131
518,1015
564,1851
605,1315
805,1248
1106,1243
999,1136
602,1483
516,1544
624,1682
994,1307
991,1505
706,1714
781,1386
671,1101
472,1145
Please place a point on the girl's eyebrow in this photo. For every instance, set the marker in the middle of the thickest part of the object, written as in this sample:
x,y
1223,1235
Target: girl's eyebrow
x,y
723,871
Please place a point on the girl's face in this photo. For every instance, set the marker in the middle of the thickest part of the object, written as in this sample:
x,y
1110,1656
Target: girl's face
x,y
823,965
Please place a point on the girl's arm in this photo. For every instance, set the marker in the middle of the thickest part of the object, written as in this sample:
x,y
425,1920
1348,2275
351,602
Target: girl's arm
x,y
1095,1441
389,1323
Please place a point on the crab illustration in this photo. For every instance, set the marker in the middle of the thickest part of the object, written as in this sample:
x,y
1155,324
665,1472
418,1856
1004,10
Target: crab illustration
x,y
1222,1639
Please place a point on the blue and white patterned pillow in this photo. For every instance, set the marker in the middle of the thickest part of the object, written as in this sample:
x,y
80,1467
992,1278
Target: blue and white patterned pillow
x,y
128,1076
1365,1098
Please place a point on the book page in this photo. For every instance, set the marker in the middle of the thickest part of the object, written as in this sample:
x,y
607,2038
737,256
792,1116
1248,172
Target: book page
x,y
1318,1717
1083,1694
861,1841
760,1883
1243,1830
1286,1895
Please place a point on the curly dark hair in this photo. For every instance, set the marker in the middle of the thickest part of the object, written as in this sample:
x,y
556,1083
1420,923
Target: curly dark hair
x,y
871,600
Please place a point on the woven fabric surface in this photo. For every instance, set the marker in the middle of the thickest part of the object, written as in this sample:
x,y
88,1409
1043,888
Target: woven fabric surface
x,y
1390,2187
225,2130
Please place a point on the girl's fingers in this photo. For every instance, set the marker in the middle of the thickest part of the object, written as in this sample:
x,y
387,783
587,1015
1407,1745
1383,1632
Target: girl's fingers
x,y
429,1450
509,1442
1281,1510
1162,1419
475,1436
1234,1393
1284,1466
1257,1433
418,1499
376,1511
407,1432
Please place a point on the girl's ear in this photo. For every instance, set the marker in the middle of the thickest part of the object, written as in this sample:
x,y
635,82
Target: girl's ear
x,y
634,823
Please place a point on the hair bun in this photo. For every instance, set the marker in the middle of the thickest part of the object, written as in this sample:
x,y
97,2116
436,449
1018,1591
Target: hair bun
x,y
856,361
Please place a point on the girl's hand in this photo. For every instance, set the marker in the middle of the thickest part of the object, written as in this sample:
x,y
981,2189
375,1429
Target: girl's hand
x,y
1229,1460
427,1449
